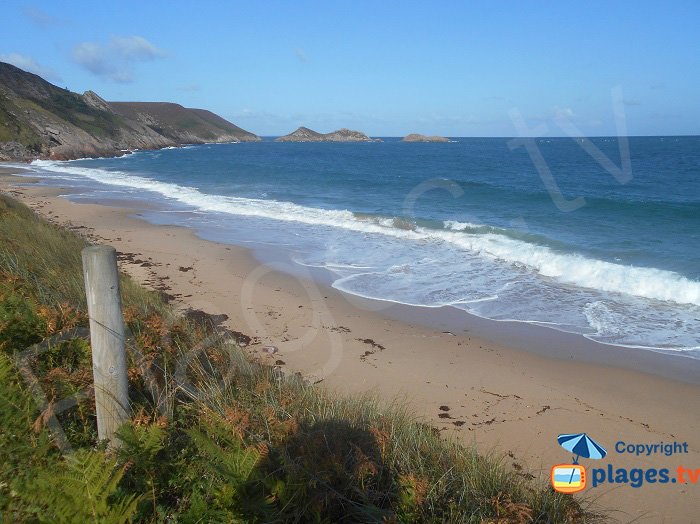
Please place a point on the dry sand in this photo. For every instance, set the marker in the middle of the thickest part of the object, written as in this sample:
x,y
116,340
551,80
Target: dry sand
x,y
506,400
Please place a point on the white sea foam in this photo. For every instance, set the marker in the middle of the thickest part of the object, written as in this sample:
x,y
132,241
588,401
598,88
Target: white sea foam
x,y
602,319
567,268
454,225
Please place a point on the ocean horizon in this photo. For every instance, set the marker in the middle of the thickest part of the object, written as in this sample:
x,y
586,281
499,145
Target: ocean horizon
x,y
474,224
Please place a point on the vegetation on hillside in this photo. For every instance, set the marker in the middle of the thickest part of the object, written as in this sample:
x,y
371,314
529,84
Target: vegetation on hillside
x,y
15,129
72,108
214,436
22,92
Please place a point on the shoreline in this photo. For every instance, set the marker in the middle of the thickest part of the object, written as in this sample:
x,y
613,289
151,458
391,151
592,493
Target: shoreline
x,y
501,395
525,336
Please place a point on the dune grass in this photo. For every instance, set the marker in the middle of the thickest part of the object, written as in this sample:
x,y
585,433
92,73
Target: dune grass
x,y
214,436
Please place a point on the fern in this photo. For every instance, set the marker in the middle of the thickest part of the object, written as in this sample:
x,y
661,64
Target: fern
x,y
232,494
84,489
142,444
233,462
22,451
151,468
36,484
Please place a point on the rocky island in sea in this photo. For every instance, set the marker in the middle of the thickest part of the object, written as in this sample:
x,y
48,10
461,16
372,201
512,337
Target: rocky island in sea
x,y
304,134
415,137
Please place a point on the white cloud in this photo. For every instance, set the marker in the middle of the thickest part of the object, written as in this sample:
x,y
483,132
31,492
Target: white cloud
x,y
135,48
41,18
116,59
29,64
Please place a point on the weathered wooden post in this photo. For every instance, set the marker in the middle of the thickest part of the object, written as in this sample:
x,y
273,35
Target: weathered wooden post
x,y
107,340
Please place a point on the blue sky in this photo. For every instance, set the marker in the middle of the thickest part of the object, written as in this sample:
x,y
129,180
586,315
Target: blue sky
x,y
386,68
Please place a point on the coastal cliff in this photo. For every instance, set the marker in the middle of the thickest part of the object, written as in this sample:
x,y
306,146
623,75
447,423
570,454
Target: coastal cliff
x,y
304,134
41,120
415,137
182,125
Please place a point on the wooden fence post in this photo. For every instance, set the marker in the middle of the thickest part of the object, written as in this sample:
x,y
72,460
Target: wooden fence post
x,y
107,340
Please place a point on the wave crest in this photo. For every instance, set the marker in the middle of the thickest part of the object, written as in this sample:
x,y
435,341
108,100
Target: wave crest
x,y
487,241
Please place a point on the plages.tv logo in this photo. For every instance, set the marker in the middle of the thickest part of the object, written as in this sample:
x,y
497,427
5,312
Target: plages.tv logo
x,y
571,478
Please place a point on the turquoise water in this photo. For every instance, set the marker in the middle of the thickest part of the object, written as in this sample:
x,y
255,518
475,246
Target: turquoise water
x,y
472,223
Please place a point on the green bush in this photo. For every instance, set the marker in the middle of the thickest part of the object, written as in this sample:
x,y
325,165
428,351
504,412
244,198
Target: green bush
x,y
82,488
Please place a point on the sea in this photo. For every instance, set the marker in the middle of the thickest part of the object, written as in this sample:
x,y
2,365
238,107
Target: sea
x,y
595,236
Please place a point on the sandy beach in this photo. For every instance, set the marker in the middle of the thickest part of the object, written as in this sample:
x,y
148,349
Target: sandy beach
x,y
510,391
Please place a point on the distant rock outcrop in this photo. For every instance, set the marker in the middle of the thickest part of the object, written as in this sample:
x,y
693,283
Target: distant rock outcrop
x,y
347,135
41,120
304,134
415,137
95,101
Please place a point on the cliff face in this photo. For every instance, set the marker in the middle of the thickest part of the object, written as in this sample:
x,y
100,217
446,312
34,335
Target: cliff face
x,y
304,134
40,120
